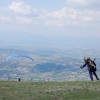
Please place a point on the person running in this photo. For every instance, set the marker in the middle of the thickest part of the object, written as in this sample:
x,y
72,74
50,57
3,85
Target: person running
x,y
91,67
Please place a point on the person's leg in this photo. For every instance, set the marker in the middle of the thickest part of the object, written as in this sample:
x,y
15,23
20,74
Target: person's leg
x,y
95,75
91,76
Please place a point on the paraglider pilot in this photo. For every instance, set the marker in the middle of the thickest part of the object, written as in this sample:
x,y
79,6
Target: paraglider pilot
x,y
91,67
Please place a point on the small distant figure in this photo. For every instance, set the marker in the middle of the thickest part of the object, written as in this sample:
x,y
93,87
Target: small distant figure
x,y
91,67
19,79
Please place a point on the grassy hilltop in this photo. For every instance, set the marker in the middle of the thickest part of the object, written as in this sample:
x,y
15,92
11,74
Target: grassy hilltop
x,y
77,90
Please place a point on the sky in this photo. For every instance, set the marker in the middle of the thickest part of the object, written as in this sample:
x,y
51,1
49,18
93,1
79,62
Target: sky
x,y
49,21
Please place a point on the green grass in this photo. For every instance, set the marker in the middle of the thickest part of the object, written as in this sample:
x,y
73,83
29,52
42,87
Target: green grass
x,y
77,90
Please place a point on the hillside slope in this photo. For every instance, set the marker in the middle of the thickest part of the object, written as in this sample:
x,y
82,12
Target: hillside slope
x,y
76,90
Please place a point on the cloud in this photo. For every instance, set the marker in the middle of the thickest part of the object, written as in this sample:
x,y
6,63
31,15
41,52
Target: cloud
x,y
65,13
87,19
83,4
54,22
20,7
4,18
76,3
72,17
93,5
65,16
24,17
24,20
80,2
91,15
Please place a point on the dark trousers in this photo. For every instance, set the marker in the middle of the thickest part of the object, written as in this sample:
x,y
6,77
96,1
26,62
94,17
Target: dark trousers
x,y
91,75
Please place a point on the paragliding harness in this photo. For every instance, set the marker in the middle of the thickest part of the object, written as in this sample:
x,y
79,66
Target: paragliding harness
x,y
91,66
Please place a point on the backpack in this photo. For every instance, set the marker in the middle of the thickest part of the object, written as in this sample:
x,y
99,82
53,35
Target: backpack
x,y
92,66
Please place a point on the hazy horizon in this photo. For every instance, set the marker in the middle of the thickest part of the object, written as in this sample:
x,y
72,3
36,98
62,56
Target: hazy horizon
x,y
50,24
